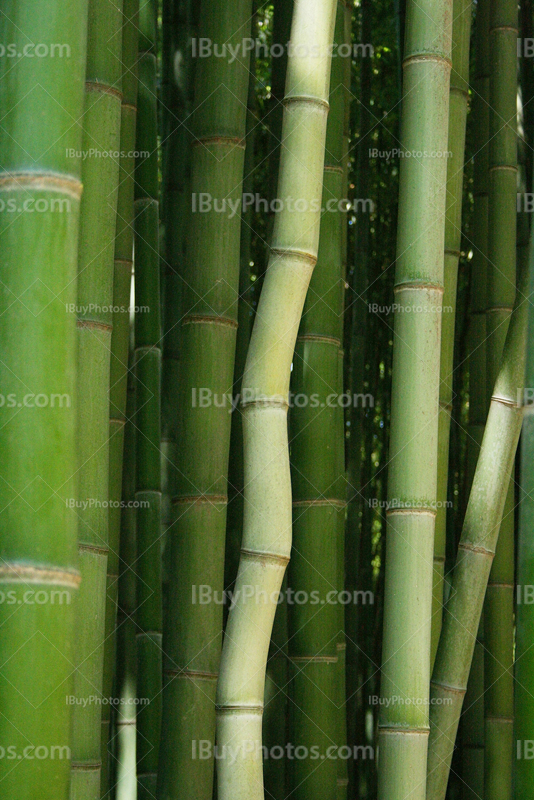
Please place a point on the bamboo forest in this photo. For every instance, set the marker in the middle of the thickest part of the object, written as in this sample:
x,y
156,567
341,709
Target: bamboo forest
x,y
266,400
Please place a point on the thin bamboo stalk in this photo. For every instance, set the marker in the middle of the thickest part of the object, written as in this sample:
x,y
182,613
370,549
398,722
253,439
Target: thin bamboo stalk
x,y
318,493
499,602
267,527
473,716
39,575
148,416
122,281
475,554
207,349
412,479
101,132
458,105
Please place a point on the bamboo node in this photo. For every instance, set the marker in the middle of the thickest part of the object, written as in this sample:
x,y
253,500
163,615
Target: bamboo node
x,y
265,402
314,659
403,731
447,688
291,252
102,88
24,573
406,287
213,499
192,674
236,141
41,181
93,324
208,319
505,401
320,501
312,337
423,57
230,709
260,555
306,98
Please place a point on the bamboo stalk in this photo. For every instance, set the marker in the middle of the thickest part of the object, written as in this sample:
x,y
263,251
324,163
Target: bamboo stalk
x,y
498,612
318,496
39,575
100,175
207,350
475,555
473,716
147,418
267,527
458,106
122,280
403,727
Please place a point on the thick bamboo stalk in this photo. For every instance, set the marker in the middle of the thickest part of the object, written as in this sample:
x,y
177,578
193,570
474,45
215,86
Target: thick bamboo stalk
x,y
207,348
147,418
475,554
267,527
122,281
458,104
498,612
524,655
412,479
473,716
100,174
318,496
39,574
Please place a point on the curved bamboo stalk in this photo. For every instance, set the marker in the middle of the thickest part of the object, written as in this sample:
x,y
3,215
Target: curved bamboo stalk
x,y
100,175
403,727
458,104
318,496
147,360
122,281
267,528
38,461
473,716
475,555
207,349
499,602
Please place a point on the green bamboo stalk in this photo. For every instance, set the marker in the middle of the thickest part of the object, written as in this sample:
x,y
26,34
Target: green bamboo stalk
x,y
403,727
126,669
267,527
122,280
207,350
524,657
147,417
39,574
498,612
318,493
473,716
100,175
458,105
475,554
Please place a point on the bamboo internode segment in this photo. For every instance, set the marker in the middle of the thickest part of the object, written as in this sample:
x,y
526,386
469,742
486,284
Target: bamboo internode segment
x,y
404,726
475,555
267,522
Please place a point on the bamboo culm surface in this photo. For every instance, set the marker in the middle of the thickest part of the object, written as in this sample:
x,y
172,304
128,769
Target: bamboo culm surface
x,y
38,461
267,518
413,453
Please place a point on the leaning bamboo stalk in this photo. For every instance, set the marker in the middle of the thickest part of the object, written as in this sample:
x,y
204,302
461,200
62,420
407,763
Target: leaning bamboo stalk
x,y
475,554
267,528
147,417
210,282
473,716
38,462
100,175
499,603
318,497
122,280
458,105
412,479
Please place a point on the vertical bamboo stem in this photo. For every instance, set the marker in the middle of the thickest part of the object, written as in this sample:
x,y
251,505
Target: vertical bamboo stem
x,y
404,724
267,527
100,175
39,578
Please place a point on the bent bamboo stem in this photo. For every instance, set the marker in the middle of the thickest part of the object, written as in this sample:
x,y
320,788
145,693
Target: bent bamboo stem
x,y
267,517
